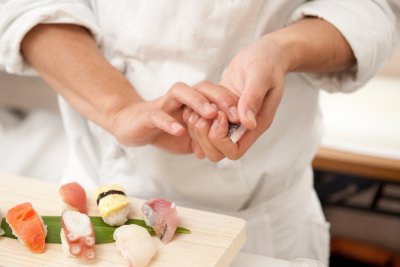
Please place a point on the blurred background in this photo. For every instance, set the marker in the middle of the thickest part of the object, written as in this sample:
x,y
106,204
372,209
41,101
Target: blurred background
x,y
357,169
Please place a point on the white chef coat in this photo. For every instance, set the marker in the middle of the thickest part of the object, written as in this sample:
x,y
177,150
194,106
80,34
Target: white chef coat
x,y
157,43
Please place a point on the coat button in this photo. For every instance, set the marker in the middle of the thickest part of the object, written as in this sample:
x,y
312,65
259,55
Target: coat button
x,y
119,64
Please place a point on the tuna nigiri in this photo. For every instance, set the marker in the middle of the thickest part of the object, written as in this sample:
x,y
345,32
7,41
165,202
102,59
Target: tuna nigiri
x,y
161,215
113,204
77,235
74,195
135,244
27,226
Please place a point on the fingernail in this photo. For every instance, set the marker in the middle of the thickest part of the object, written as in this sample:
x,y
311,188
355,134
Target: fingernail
x,y
251,117
193,118
209,108
233,113
176,127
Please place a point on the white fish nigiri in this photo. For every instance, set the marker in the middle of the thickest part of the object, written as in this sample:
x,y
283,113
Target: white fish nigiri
x,y
77,235
162,216
135,244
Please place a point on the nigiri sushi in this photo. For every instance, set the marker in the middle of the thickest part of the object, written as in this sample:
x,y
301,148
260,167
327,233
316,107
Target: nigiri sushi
x,y
113,204
162,216
1,219
77,235
74,195
135,244
27,226
235,132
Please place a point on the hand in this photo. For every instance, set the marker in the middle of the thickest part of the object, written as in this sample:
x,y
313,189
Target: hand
x,y
159,122
199,126
256,75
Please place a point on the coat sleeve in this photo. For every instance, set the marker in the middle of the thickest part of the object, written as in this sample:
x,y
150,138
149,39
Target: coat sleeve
x,y
17,17
372,29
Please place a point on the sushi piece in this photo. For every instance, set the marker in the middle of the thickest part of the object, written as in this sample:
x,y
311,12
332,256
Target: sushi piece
x,y
1,219
77,235
113,204
162,216
27,226
135,244
235,132
74,195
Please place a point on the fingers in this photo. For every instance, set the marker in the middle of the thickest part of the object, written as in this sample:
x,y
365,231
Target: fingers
x,y
252,97
181,94
165,122
225,99
201,129
218,135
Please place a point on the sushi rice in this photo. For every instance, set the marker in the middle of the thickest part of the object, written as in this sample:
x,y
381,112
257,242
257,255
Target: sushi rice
x,y
113,204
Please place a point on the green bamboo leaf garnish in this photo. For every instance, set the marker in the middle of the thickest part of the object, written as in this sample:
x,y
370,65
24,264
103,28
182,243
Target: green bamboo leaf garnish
x,y
104,232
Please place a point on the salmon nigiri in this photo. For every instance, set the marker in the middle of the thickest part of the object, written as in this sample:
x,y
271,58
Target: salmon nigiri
x,y
161,215
74,195
27,226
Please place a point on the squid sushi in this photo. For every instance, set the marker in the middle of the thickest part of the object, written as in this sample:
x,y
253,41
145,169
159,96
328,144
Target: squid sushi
x,y
74,195
27,226
135,244
77,235
113,204
162,216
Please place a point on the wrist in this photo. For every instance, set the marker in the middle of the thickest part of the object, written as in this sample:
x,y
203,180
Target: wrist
x,y
289,46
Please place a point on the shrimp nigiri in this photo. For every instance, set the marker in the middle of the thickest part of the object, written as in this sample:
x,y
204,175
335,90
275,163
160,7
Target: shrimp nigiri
x,y
74,195
27,226
162,216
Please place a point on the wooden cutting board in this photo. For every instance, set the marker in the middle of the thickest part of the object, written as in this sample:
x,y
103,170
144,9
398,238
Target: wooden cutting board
x,y
215,239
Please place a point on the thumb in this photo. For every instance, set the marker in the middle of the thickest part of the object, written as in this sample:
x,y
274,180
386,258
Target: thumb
x,y
252,98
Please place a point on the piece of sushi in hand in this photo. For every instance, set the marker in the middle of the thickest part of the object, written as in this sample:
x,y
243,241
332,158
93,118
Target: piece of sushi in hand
x,y
135,244
74,195
113,204
27,226
162,216
77,235
235,132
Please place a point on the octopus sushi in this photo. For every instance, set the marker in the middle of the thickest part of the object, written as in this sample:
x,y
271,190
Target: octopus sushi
x,y
27,226
135,244
77,235
162,216
113,204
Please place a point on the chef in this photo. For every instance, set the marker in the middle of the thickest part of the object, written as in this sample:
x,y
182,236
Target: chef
x,y
147,90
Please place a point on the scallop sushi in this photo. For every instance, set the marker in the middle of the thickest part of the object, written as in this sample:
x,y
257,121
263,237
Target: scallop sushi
x,y
27,226
77,235
135,244
113,204
162,216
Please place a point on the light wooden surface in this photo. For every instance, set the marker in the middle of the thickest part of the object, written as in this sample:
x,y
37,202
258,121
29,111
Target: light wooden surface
x,y
215,239
357,164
